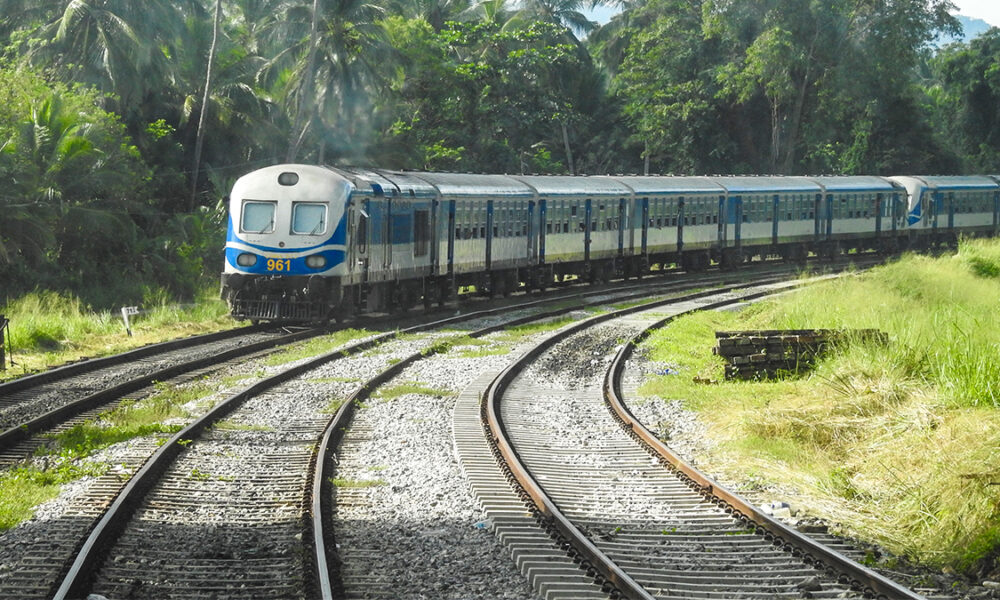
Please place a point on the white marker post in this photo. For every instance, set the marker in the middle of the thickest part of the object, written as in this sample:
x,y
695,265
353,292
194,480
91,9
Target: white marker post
x,y
126,312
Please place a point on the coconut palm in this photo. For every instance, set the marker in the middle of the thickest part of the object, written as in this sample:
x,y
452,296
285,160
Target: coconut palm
x,y
336,68
121,46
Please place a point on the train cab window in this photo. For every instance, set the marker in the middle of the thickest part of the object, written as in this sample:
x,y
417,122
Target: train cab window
x,y
258,217
308,218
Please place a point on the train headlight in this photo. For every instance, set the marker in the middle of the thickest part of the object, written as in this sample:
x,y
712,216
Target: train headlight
x,y
246,260
316,261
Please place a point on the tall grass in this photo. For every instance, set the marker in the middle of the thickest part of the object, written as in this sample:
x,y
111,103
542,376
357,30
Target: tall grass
x,y
49,328
898,441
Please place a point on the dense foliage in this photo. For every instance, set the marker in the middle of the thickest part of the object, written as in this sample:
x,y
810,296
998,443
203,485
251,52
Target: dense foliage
x,y
122,123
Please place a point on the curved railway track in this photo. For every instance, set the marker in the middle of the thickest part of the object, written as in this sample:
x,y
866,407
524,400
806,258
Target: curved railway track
x,y
228,508
638,529
191,476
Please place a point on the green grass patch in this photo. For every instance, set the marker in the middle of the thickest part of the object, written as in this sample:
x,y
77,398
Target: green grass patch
x,y
897,441
391,393
49,328
315,346
492,350
333,405
356,483
24,488
126,421
229,425
334,380
520,332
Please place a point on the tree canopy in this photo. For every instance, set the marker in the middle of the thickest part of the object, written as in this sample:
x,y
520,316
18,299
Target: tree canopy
x,y
114,110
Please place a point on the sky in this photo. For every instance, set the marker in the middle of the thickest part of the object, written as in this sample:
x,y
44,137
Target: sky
x,y
987,10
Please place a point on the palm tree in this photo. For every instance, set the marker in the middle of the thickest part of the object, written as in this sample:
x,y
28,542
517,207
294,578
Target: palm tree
x,y
562,12
200,136
121,46
337,67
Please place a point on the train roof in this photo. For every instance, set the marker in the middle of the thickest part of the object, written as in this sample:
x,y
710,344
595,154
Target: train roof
x,y
461,185
854,183
761,185
646,185
574,185
948,182
392,184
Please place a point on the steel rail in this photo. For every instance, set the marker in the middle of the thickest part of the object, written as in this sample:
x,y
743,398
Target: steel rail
x,y
111,524
590,556
325,559
812,551
15,434
92,364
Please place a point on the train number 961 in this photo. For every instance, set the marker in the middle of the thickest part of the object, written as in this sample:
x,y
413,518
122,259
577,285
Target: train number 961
x,y
277,264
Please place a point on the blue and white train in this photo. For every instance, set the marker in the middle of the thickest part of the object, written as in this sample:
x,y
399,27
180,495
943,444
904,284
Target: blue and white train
x,y
309,243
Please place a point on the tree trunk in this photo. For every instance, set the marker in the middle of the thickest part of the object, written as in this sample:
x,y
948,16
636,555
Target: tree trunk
x,y
301,124
569,151
200,136
797,109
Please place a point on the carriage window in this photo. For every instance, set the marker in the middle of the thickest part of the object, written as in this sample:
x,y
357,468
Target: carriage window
x,y
258,217
308,218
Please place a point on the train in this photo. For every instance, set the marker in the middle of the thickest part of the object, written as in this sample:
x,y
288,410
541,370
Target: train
x,y
317,243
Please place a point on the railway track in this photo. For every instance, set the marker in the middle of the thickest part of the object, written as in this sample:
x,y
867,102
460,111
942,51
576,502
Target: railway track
x,y
641,525
68,395
191,477
233,511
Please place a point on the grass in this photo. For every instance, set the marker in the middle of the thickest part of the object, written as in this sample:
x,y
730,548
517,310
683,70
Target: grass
x,y
898,441
230,425
356,483
126,421
464,346
24,488
49,329
520,332
415,387
315,346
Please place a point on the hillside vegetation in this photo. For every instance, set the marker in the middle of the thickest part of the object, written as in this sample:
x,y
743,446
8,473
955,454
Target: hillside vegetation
x,y
124,124
896,443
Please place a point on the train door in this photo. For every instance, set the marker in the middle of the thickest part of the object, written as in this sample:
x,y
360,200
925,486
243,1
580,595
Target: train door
x,y
645,227
532,234
730,221
387,235
359,239
451,238
623,223
435,235
543,219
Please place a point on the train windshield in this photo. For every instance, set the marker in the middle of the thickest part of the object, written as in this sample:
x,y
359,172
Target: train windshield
x,y
308,218
258,217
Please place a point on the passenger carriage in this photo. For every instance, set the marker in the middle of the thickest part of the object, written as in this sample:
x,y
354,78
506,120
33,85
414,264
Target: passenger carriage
x,y
311,243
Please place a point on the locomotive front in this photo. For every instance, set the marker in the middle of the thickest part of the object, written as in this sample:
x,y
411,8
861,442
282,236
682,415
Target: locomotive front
x,y
286,243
